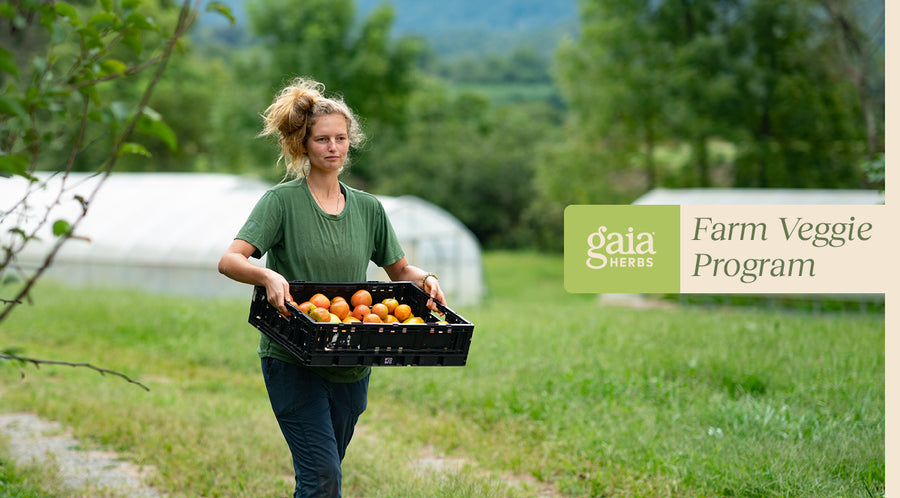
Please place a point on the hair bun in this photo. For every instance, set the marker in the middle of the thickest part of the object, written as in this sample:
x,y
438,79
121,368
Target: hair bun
x,y
304,98
298,105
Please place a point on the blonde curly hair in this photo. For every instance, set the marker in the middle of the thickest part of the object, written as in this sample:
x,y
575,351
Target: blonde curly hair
x,y
293,113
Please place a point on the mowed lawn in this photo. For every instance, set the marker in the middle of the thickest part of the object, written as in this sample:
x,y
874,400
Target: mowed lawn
x,y
561,396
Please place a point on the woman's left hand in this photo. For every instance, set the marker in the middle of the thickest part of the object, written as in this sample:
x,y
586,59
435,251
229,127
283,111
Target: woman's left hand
x,y
402,270
432,287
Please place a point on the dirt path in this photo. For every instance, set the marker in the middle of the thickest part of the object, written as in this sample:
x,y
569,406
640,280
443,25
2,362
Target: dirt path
x,y
428,460
90,473
85,472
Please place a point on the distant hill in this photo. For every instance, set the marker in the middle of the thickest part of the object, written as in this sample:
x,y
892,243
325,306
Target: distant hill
x,y
429,16
459,27
454,27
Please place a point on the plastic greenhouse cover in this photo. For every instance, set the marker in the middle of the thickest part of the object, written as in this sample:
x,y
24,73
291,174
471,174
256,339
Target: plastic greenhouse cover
x,y
167,231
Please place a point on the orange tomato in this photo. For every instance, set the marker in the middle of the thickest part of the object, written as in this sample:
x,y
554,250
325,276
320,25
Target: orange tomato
x,y
340,308
320,300
361,296
381,310
361,311
402,312
391,303
320,314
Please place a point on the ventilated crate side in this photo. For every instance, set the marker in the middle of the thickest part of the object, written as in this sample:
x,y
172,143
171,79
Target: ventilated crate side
x,y
315,343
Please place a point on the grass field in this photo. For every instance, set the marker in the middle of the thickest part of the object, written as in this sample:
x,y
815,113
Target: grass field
x,y
560,397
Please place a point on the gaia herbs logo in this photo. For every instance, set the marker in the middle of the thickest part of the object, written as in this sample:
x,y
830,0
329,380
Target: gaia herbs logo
x,y
614,248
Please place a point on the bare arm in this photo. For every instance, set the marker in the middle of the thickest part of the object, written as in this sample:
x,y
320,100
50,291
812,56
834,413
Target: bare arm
x,y
235,264
402,270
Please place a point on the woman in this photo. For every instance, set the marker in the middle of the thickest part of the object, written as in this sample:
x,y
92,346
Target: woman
x,y
315,228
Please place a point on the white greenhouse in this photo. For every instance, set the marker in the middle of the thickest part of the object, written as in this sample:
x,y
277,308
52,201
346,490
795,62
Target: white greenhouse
x,y
760,196
165,232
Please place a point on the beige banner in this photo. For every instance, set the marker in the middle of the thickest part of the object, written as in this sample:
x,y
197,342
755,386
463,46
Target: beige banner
x,y
785,249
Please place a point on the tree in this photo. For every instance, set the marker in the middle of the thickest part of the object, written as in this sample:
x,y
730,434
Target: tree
x,y
471,158
702,86
57,62
758,74
859,28
523,65
372,70
801,123
189,94
616,79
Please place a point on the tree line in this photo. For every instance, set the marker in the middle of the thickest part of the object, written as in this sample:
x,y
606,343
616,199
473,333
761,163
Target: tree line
x,y
742,93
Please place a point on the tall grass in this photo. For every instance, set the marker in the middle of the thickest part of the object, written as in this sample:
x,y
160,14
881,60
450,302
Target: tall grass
x,y
558,391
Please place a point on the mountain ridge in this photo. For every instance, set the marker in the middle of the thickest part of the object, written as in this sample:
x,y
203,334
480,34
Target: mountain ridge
x,y
475,27
412,16
457,27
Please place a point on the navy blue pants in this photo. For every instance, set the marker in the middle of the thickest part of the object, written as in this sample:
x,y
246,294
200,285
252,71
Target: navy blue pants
x,y
317,418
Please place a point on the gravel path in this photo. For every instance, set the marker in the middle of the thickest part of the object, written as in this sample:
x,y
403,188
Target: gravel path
x,y
35,441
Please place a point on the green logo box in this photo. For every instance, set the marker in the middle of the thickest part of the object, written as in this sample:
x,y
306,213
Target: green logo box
x,y
622,249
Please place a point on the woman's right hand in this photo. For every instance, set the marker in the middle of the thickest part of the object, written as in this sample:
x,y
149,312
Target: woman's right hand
x,y
278,291
235,264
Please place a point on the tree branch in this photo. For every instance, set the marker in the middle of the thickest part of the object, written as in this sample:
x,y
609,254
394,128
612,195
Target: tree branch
x,y
38,362
186,17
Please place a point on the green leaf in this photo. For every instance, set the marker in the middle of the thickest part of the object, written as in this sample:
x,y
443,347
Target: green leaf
x,y
39,64
90,91
139,21
90,37
84,203
152,114
133,148
220,8
119,110
58,33
7,10
11,106
152,124
48,16
63,9
61,227
16,165
130,4
132,39
113,66
21,233
8,62
102,20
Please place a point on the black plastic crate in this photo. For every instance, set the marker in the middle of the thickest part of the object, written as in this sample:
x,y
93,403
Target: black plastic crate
x,y
372,344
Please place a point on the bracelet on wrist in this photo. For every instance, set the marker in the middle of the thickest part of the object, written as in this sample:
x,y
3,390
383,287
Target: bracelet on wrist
x,y
426,278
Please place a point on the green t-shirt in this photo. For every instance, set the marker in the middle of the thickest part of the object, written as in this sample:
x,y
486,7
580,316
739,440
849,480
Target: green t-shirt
x,y
302,242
